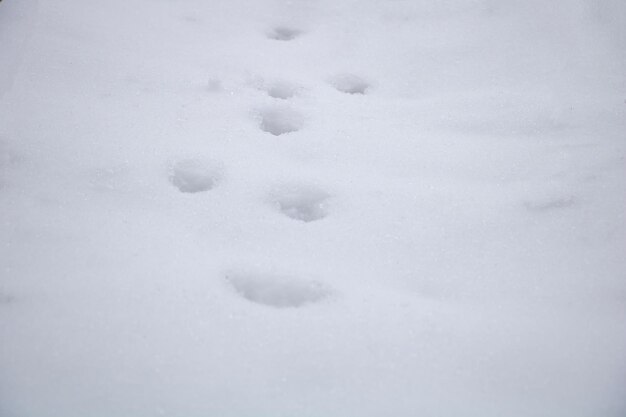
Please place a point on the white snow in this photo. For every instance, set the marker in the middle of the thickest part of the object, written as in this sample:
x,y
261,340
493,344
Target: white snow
x,y
352,208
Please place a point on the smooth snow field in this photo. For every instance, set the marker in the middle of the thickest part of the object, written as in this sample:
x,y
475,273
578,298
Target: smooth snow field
x,y
313,208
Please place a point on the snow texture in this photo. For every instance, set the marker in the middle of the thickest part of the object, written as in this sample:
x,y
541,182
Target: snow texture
x,y
351,208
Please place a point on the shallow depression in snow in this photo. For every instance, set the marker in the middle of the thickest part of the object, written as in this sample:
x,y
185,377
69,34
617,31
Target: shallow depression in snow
x,y
302,202
280,120
550,204
282,89
350,84
194,175
6,298
284,33
277,291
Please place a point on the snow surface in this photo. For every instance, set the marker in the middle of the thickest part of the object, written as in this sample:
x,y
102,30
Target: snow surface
x,y
356,208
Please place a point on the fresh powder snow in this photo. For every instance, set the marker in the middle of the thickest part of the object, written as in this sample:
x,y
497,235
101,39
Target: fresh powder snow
x,y
312,208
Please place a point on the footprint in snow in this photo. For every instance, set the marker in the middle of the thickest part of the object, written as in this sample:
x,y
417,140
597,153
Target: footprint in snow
x,y
277,291
6,298
8,161
350,84
281,89
301,202
194,175
214,85
279,120
550,204
284,33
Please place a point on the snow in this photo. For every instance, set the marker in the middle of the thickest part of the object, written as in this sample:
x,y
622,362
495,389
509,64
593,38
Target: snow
x,y
312,208
15,24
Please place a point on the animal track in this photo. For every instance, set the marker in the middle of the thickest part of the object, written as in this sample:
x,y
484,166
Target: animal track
x,y
304,203
551,204
280,120
284,33
8,161
214,85
277,291
194,175
350,84
6,298
282,90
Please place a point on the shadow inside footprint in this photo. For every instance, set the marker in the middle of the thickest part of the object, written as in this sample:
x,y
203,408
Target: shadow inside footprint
x,y
350,84
279,121
284,33
6,298
556,203
304,203
194,175
277,291
282,90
